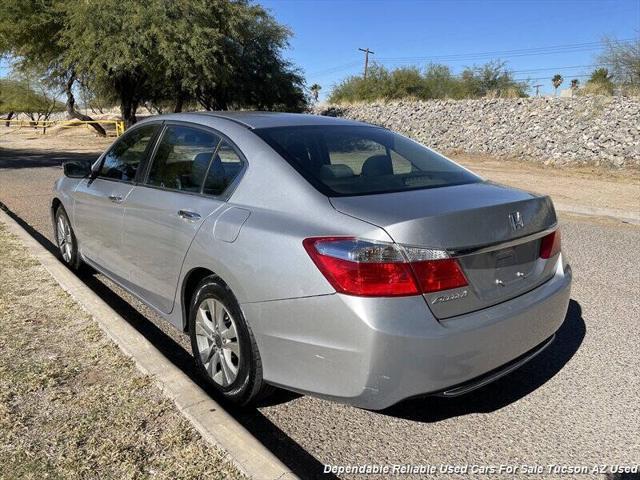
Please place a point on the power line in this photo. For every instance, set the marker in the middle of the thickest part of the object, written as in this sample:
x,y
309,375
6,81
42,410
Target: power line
x,y
558,68
553,49
548,78
519,50
335,69
566,48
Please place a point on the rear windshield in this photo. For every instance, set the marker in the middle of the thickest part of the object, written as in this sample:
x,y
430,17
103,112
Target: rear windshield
x,y
361,160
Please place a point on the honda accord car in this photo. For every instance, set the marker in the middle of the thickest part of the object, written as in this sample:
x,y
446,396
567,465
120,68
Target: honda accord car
x,y
321,255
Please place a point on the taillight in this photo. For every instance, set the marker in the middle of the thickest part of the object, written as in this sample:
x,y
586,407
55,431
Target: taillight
x,y
550,245
436,275
380,269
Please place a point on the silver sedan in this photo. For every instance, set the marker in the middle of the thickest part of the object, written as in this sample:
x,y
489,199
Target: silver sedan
x,y
317,254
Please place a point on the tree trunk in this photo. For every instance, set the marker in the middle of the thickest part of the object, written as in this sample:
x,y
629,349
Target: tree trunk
x,y
71,107
179,103
9,117
128,107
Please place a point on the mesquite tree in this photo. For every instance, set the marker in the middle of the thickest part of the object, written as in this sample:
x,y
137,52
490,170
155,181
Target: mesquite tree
x,y
30,36
220,53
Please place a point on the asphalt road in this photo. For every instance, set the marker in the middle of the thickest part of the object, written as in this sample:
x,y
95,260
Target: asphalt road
x,y
578,403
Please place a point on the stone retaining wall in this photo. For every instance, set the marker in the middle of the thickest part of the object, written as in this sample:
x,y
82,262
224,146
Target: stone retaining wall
x,y
599,131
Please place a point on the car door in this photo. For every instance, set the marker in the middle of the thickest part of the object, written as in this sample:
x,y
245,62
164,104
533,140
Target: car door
x,y
99,201
185,183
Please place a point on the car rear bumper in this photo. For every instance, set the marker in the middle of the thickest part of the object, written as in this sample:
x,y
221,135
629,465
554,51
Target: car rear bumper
x,y
375,352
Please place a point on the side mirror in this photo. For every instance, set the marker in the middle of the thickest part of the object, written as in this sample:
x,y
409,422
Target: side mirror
x,y
95,168
76,168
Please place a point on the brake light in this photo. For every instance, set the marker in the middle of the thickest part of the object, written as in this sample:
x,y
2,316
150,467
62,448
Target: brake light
x,y
381,269
550,244
436,275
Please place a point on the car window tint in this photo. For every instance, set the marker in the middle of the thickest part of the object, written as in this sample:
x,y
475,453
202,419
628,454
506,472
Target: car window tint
x,y
123,159
182,158
399,163
225,167
361,160
352,152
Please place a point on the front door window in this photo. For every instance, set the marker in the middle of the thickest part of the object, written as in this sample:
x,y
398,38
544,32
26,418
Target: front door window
x,y
123,159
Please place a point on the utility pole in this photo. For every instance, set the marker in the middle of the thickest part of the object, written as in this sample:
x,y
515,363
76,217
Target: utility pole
x,y
366,59
537,87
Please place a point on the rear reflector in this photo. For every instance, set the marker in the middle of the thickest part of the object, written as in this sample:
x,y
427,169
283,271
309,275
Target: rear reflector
x,y
550,245
381,269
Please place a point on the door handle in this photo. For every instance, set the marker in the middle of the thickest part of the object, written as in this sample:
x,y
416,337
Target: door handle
x,y
187,215
115,198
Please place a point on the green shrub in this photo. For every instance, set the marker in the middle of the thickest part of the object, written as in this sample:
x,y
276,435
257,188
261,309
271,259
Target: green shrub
x,y
436,81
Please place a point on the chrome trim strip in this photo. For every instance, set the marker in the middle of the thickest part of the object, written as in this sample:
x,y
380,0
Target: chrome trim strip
x,y
500,245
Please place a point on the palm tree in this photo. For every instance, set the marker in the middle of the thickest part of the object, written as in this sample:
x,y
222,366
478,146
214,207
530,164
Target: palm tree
x,y
574,84
315,90
557,81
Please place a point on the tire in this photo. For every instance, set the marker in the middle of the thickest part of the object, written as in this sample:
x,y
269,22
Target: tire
x,y
66,240
224,349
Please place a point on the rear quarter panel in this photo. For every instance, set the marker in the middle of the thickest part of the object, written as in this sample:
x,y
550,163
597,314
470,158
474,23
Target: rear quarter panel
x,y
267,260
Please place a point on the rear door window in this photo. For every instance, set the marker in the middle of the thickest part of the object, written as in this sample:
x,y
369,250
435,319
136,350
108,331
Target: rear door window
x,y
226,166
182,159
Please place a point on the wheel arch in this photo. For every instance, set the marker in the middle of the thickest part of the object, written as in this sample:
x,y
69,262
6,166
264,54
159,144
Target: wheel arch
x,y
189,284
55,204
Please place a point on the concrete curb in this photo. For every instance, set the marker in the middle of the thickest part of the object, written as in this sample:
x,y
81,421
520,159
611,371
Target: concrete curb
x,y
214,424
622,215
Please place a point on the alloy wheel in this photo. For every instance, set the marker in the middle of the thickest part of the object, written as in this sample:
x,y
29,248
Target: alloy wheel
x,y
64,237
217,340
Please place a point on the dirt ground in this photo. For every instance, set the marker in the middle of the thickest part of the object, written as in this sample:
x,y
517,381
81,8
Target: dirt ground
x,y
71,404
617,190
77,139
578,186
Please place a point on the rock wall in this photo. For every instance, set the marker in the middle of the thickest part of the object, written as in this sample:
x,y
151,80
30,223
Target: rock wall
x,y
598,131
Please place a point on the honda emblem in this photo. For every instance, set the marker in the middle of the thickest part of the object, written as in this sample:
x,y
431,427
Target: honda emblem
x,y
516,220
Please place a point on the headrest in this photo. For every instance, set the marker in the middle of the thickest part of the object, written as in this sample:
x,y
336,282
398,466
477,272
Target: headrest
x,y
202,158
377,165
338,170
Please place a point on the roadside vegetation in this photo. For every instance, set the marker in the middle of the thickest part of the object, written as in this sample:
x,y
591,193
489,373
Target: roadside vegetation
x,y
167,55
493,79
436,81
600,83
28,94
71,404
623,62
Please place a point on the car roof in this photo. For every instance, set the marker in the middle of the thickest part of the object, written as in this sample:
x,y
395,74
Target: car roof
x,y
255,119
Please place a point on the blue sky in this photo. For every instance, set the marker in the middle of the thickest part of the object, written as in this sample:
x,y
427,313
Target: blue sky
x,y
328,33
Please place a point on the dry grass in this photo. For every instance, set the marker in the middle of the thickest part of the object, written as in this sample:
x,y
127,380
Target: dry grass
x,y
71,404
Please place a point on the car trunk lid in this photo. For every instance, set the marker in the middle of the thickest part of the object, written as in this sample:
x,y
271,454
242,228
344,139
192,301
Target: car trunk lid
x,y
494,231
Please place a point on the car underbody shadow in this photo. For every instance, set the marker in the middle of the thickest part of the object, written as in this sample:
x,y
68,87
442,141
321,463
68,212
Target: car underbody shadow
x,y
508,389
